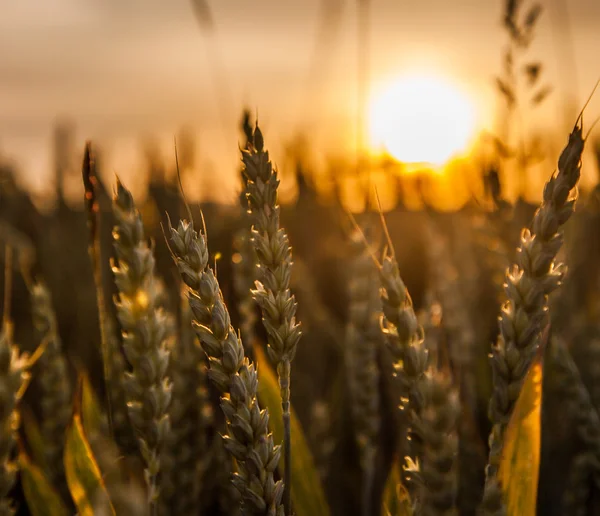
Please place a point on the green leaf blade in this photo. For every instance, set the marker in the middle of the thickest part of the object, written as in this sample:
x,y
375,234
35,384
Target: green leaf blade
x,y
308,497
41,498
83,475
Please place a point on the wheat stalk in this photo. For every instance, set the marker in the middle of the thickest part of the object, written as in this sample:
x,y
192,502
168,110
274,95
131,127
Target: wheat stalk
x,y
248,439
533,278
272,292
144,330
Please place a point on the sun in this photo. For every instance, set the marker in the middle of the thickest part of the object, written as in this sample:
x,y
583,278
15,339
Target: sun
x,y
421,119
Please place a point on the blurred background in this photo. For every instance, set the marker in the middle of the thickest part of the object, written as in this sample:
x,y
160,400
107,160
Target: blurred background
x,y
325,76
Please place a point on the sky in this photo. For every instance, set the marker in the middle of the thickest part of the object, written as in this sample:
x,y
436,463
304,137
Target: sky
x,y
123,70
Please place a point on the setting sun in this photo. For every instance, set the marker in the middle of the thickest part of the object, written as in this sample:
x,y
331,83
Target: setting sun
x,y
421,119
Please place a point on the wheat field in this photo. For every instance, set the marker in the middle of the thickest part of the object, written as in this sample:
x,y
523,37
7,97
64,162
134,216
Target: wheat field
x,y
276,357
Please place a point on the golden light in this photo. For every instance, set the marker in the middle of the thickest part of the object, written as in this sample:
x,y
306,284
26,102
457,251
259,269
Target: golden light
x,y
421,119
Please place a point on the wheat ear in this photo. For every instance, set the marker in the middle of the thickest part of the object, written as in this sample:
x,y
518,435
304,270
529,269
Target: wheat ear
x,y
144,329
533,278
53,379
438,430
405,339
272,292
586,466
187,448
455,294
363,337
248,439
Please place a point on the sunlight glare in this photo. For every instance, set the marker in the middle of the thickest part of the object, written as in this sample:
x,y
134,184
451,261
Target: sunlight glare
x,y
421,119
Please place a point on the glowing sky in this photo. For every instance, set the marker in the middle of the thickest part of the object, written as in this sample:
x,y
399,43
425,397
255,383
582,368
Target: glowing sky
x,y
125,68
